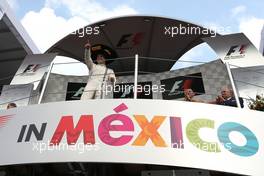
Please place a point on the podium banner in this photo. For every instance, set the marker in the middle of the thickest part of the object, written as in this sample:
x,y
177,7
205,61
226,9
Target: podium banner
x,y
236,49
172,133
33,69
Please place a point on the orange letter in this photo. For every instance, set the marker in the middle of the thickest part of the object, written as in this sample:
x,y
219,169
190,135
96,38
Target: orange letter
x,y
149,130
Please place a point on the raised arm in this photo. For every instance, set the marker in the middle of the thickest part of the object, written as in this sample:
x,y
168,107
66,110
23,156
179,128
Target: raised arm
x,y
87,55
87,58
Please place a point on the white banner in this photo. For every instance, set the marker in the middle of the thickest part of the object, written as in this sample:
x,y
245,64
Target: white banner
x,y
160,132
249,81
19,94
236,49
33,68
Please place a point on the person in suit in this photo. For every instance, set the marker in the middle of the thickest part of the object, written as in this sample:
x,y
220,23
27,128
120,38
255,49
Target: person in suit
x,y
99,74
227,98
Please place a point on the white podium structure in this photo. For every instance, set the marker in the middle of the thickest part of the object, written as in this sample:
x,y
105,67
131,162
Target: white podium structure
x,y
148,130
261,49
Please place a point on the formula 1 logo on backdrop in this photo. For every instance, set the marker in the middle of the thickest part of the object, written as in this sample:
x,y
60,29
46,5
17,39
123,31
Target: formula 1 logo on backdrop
x,y
175,86
74,90
31,69
236,52
128,41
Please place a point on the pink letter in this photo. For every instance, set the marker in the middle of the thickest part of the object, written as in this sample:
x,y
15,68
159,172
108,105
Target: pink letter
x,y
176,132
105,127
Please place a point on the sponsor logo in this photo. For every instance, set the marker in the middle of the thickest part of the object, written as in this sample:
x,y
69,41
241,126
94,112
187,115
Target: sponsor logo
x,y
175,86
74,91
236,52
128,41
124,125
31,69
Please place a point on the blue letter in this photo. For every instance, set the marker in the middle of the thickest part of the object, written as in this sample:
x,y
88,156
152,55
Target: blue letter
x,y
251,146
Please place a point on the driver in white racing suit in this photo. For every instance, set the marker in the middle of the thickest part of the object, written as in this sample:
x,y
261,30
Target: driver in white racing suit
x,y
99,75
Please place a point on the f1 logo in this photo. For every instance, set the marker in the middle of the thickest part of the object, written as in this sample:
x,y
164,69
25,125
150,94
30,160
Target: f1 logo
x,y
176,87
241,49
78,93
131,39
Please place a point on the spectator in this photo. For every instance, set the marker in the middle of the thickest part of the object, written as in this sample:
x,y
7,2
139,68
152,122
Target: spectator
x,y
227,98
189,96
11,105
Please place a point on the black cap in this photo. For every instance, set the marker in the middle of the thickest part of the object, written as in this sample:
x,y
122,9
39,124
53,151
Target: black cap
x,y
108,53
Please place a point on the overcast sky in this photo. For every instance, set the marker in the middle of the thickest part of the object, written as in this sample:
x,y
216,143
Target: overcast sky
x,y
49,20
